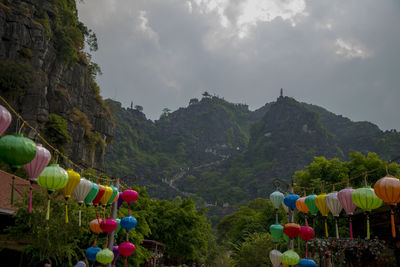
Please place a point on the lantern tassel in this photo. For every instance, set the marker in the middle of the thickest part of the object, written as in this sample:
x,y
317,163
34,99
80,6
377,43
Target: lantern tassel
x,y
305,218
392,222
80,212
126,264
337,228
48,209
276,216
94,243
30,198
66,211
368,232
351,228
326,227
12,190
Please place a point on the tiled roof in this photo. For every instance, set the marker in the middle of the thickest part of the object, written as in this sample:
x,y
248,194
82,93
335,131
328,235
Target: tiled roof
x,y
20,187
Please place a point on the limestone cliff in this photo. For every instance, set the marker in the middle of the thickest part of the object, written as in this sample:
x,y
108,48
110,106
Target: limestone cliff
x,y
47,78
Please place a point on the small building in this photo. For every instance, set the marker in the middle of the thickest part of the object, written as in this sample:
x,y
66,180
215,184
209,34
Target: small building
x,y
157,249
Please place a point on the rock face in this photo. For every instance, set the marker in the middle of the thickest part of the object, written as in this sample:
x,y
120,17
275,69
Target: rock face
x,y
42,83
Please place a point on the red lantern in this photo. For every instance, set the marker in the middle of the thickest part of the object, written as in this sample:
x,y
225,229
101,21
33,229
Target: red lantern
x,y
306,233
291,230
108,225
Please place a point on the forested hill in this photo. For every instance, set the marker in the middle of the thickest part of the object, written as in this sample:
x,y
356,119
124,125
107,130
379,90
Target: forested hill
x,y
222,154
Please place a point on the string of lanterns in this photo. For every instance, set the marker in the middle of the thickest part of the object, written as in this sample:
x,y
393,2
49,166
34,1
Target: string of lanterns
x,y
386,189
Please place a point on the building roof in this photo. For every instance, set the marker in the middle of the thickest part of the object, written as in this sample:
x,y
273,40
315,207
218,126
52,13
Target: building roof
x,y
20,187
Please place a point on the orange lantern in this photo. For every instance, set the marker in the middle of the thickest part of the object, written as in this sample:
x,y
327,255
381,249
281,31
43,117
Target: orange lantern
x,y
291,230
388,189
95,226
301,206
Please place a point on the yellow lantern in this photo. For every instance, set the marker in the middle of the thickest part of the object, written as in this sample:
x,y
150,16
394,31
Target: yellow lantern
x,y
323,208
73,181
107,195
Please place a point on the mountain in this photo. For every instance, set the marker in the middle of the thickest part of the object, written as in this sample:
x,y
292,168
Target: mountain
x,y
48,79
222,154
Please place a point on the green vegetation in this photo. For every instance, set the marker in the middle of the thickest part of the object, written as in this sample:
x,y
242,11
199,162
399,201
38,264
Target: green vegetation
x,y
56,131
15,78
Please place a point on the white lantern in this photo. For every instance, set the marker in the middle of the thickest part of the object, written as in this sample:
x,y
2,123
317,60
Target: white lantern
x,y
276,257
334,206
81,192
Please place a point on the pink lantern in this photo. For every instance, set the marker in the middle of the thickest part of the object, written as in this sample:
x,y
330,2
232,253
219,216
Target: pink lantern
x,y
129,196
306,233
108,225
5,119
35,168
126,249
348,205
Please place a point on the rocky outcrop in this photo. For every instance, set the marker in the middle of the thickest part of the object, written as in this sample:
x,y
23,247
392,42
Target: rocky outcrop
x,y
43,83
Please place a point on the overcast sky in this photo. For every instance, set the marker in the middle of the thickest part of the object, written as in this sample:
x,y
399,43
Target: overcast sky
x,y
341,55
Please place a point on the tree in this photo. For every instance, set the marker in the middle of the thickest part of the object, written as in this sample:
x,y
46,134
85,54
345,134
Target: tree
x,y
193,101
139,108
165,113
206,94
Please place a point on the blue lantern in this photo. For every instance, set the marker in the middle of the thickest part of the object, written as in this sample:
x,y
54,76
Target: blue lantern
x,y
307,263
128,223
91,253
276,199
290,200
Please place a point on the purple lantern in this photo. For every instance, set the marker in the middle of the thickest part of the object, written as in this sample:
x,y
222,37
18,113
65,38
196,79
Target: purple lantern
x,y
35,168
120,200
5,119
116,254
347,203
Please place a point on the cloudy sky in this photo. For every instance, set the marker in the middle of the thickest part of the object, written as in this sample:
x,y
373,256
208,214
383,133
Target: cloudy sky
x,y
341,55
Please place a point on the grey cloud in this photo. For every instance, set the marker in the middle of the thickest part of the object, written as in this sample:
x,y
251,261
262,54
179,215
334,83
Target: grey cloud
x,y
183,53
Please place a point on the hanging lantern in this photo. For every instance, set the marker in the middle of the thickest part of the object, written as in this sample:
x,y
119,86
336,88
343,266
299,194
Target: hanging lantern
x,y
128,223
116,254
291,230
126,249
335,207
306,233
290,200
388,189
92,194
52,178
108,225
106,196
276,199
95,226
348,205
16,150
91,253
366,199
35,168
118,226
5,119
113,195
80,193
73,181
276,257
301,206
105,256
290,257
80,264
120,200
311,204
99,195
307,263
323,208
130,196
276,231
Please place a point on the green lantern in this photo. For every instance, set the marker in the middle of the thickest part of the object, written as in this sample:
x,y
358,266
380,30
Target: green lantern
x,y
290,257
276,231
310,203
105,256
366,199
52,178
16,150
